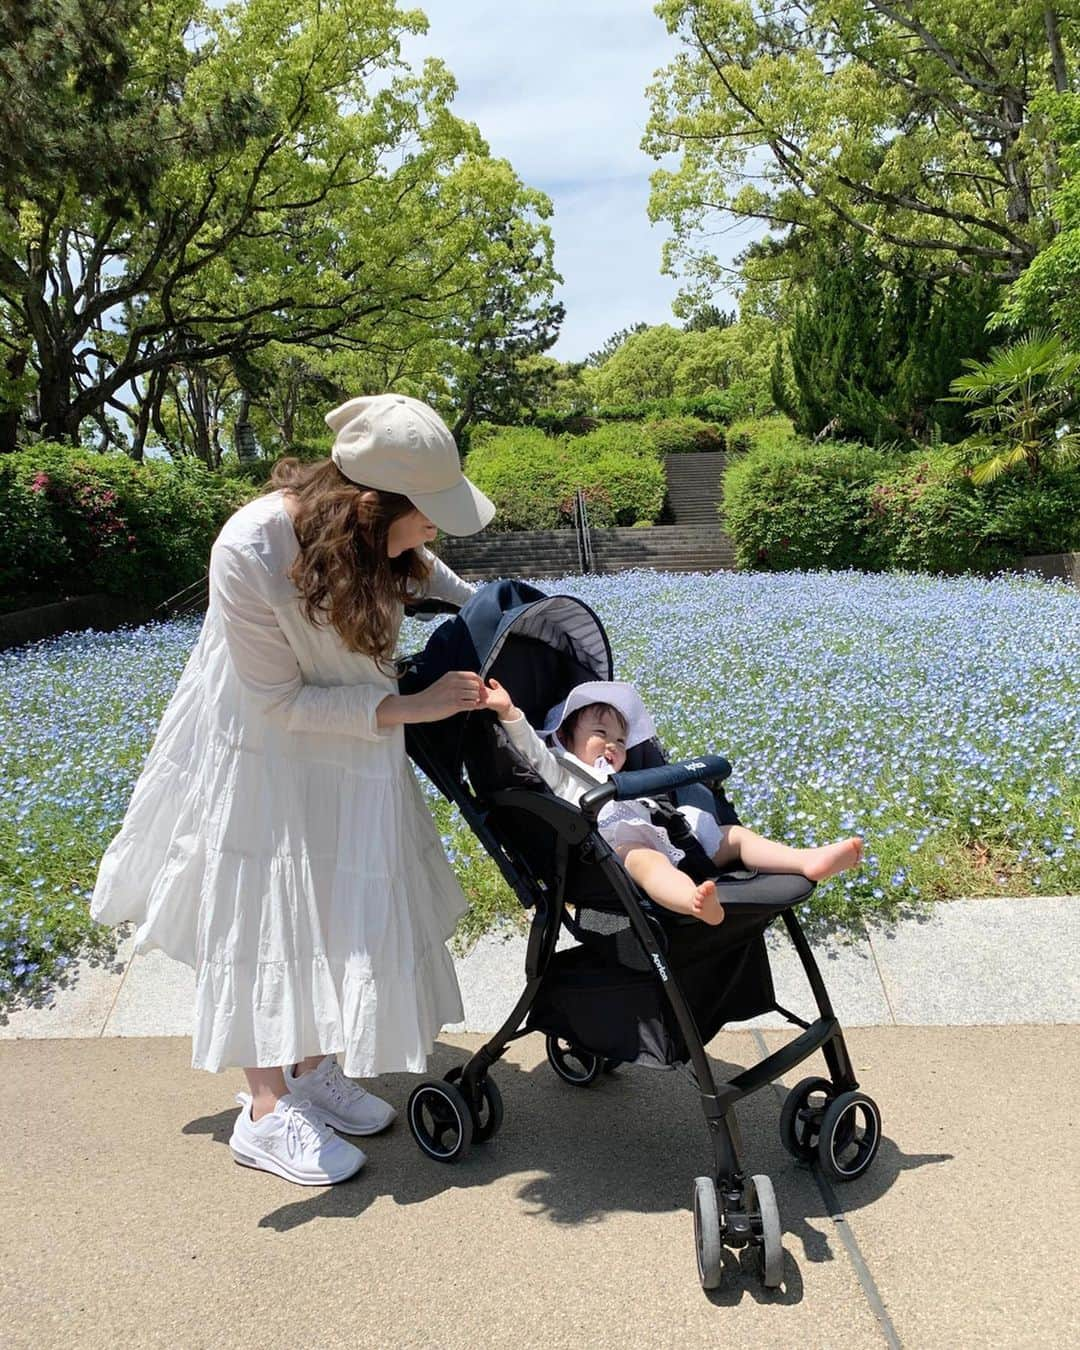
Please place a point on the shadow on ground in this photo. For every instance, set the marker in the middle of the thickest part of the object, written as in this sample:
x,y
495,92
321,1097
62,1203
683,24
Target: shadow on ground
x,y
560,1139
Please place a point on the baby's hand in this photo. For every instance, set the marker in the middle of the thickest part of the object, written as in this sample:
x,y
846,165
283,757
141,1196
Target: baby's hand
x,y
500,702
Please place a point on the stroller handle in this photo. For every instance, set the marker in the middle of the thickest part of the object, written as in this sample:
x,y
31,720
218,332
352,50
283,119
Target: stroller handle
x,y
651,782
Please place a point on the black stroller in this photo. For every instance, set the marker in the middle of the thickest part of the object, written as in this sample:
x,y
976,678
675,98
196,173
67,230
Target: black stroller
x,y
643,986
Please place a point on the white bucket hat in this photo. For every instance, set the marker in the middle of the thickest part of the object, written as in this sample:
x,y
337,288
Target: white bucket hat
x,y
398,444
620,695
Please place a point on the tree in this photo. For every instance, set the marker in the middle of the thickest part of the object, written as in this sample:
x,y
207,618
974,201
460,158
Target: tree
x,y
667,362
291,182
612,345
872,353
1019,400
709,316
914,123
487,362
642,366
1049,291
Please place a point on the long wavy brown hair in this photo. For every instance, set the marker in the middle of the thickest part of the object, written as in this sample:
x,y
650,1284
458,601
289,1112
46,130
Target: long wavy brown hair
x,y
343,572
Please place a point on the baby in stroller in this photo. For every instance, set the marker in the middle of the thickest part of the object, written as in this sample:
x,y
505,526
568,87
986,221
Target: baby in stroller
x,y
592,730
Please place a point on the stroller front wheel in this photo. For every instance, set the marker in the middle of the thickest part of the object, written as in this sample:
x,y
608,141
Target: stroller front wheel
x,y
440,1121
765,1215
707,1236
573,1065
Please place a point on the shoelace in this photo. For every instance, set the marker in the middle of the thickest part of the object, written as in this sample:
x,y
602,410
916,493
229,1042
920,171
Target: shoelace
x,y
301,1128
339,1086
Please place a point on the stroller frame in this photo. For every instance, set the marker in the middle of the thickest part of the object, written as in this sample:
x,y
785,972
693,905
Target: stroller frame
x,y
822,1121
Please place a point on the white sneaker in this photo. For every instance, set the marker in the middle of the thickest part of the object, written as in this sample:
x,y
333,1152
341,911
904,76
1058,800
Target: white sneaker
x,y
338,1100
294,1142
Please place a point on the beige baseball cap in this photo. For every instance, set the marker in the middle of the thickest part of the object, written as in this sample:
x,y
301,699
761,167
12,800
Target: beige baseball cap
x,y
398,444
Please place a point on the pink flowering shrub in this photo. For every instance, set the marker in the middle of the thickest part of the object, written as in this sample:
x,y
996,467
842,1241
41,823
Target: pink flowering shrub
x,y
74,522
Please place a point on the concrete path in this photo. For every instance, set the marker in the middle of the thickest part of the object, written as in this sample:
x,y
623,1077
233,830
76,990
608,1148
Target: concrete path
x,y
966,962
123,1221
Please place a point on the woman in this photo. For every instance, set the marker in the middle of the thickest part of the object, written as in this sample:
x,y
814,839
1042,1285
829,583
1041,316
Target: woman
x,y
277,840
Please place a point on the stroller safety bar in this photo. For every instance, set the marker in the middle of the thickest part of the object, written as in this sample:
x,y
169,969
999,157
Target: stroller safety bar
x,y
651,782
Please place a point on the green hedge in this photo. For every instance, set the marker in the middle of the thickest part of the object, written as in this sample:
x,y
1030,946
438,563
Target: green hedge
x,y
683,435
760,433
797,505
801,505
74,522
532,478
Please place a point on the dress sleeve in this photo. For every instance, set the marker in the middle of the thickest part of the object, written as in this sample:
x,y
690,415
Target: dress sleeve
x,y
267,666
442,583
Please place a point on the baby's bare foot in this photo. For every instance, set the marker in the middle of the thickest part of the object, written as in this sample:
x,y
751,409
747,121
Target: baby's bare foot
x,y
833,858
705,904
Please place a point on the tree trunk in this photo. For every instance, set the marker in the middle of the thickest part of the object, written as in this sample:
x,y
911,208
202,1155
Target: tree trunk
x,y
200,414
1057,52
11,414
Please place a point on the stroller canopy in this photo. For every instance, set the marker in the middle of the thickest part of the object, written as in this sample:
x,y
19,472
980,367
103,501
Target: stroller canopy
x,y
539,646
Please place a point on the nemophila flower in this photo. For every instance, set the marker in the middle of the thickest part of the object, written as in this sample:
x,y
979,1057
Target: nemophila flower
x,y
901,708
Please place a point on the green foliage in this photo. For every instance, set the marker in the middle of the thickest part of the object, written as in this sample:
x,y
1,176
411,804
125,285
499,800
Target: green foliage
x,y
929,518
795,505
613,343
764,433
800,505
33,551
76,522
871,354
728,362
1048,293
720,407
1019,399
683,435
893,117
280,175
532,478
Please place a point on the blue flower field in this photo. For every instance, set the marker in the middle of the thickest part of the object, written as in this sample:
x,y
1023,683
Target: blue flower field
x,y
940,719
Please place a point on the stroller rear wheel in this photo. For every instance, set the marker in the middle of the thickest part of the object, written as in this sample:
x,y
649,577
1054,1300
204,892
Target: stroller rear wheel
x,y
800,1117
488,1117
573,1065
707,1237
440,1121
765,1215
850,1136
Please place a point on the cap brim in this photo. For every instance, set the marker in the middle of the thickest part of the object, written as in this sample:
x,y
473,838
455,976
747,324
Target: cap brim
x,y
461,509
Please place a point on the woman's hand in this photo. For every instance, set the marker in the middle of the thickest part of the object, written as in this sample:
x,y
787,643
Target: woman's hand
x,y
456,691
500,702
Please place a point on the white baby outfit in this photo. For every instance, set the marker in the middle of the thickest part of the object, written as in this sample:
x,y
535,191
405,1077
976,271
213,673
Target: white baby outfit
x,y
623,824
277,840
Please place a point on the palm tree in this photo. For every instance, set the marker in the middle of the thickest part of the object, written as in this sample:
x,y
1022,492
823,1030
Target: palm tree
x,y
1021,397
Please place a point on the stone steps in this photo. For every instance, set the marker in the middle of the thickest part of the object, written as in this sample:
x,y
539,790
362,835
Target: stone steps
x,y
694,486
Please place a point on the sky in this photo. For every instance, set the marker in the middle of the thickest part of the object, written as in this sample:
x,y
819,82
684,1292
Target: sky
x,y
558,89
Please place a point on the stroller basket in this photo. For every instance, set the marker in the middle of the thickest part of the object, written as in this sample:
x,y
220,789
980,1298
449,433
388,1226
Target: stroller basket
x,y
642,986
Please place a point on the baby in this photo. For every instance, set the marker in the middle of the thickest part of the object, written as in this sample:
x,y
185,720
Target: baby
x,y
593,728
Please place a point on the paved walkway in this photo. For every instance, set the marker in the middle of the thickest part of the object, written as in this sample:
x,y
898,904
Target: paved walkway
x,y
122,1220
964,963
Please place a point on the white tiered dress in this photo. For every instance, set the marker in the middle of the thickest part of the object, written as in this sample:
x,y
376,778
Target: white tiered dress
x,y
277,840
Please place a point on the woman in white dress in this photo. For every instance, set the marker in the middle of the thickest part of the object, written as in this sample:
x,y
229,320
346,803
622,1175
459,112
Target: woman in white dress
x,y
277,840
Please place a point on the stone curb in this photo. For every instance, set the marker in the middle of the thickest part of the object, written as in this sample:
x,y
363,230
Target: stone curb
x,y
965,963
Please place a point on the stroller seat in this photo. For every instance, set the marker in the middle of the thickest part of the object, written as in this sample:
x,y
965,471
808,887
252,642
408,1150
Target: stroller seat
x,y
643,986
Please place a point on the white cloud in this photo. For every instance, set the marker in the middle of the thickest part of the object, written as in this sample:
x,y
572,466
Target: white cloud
x,y
558,88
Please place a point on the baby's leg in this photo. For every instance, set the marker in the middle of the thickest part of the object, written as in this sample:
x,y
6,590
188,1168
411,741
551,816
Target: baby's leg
x,y
662,881
752,850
